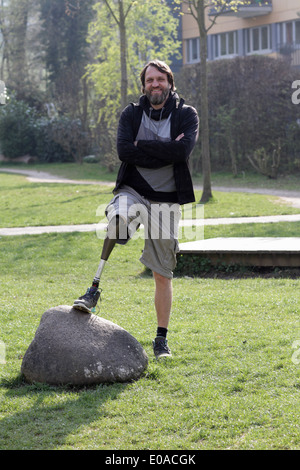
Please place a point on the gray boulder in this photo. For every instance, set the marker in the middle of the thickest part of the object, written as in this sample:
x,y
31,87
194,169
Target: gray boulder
x,y
72,347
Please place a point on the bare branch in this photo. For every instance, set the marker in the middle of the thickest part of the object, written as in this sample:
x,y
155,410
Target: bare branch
x,y
213,21
111,11
128,9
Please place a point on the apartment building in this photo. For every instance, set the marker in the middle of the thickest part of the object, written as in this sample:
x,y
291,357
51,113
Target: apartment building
x,y
263,27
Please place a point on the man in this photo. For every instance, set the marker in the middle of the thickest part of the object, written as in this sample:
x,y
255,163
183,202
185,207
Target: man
x,y
154,142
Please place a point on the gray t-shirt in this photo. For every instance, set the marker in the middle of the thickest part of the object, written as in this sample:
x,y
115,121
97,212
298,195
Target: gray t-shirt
x,y
160,179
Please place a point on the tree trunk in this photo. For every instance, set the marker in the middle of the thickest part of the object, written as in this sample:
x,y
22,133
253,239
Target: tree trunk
x,y
17,53
205,150
84,114
123,55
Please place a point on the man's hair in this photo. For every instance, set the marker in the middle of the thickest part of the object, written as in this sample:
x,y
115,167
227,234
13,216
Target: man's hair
x,y
163,68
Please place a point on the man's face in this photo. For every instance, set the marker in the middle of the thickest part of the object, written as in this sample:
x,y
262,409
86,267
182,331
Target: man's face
x,y
157,86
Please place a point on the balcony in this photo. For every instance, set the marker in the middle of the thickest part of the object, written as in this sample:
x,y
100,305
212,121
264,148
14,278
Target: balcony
x,y
254,8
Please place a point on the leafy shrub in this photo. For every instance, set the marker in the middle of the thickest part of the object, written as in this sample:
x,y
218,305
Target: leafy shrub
x,y
23,131
47,148
250,108
69,134
258,90
17,134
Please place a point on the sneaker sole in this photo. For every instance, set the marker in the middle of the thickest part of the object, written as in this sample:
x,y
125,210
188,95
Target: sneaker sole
x,y
82,308
161,356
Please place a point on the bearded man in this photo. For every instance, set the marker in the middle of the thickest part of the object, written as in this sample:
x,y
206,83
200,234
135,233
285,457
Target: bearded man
x,y
154,142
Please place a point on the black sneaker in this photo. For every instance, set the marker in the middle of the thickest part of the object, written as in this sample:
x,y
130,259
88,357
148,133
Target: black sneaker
x,y
87,301
161,348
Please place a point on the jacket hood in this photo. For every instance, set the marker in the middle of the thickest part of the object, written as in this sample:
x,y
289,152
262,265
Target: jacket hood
x,y
163,113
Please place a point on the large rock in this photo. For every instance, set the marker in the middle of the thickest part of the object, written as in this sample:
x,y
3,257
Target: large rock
x,y
72,347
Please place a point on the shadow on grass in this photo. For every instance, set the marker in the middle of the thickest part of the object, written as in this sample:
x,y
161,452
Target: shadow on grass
x,y
192,265
204,269
53,414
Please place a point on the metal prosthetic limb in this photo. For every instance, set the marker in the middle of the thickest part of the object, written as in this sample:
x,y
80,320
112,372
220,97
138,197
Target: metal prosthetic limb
x,y
108,246
113,233
116,229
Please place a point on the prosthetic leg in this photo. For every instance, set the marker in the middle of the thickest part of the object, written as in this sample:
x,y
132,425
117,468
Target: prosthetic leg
x,y
89,300
108,246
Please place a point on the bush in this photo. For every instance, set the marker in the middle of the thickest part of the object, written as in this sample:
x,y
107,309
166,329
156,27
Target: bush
x,y
61,140
23,131
47,148
69,134
250,108
256,91
17,129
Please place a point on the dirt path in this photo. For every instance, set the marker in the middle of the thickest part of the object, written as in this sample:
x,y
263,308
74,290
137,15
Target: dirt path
x,y
43,177
290,197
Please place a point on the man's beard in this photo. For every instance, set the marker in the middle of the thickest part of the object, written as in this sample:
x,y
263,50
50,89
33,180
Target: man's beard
x,y
157,99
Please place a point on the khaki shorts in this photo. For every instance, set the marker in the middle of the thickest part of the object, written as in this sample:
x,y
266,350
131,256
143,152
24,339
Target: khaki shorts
x,y
160,221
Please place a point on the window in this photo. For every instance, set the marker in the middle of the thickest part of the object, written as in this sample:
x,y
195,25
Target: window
x,y
258,39
192,50
225,45
289,32
255,39
297,32
231,43
265,43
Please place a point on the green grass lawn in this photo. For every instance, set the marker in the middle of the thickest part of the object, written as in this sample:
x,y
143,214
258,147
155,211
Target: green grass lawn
x,y
233,381
73,171
28,204
95,172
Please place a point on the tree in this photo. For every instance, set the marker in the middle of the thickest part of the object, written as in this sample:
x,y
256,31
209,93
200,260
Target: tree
x,y
13,26
197,8
127,34
63,35
21,65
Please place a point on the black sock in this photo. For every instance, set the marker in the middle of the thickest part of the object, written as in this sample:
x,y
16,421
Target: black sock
x,y
161,331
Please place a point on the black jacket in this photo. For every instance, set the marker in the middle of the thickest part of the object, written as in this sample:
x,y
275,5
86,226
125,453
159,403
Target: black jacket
x,y
154,153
